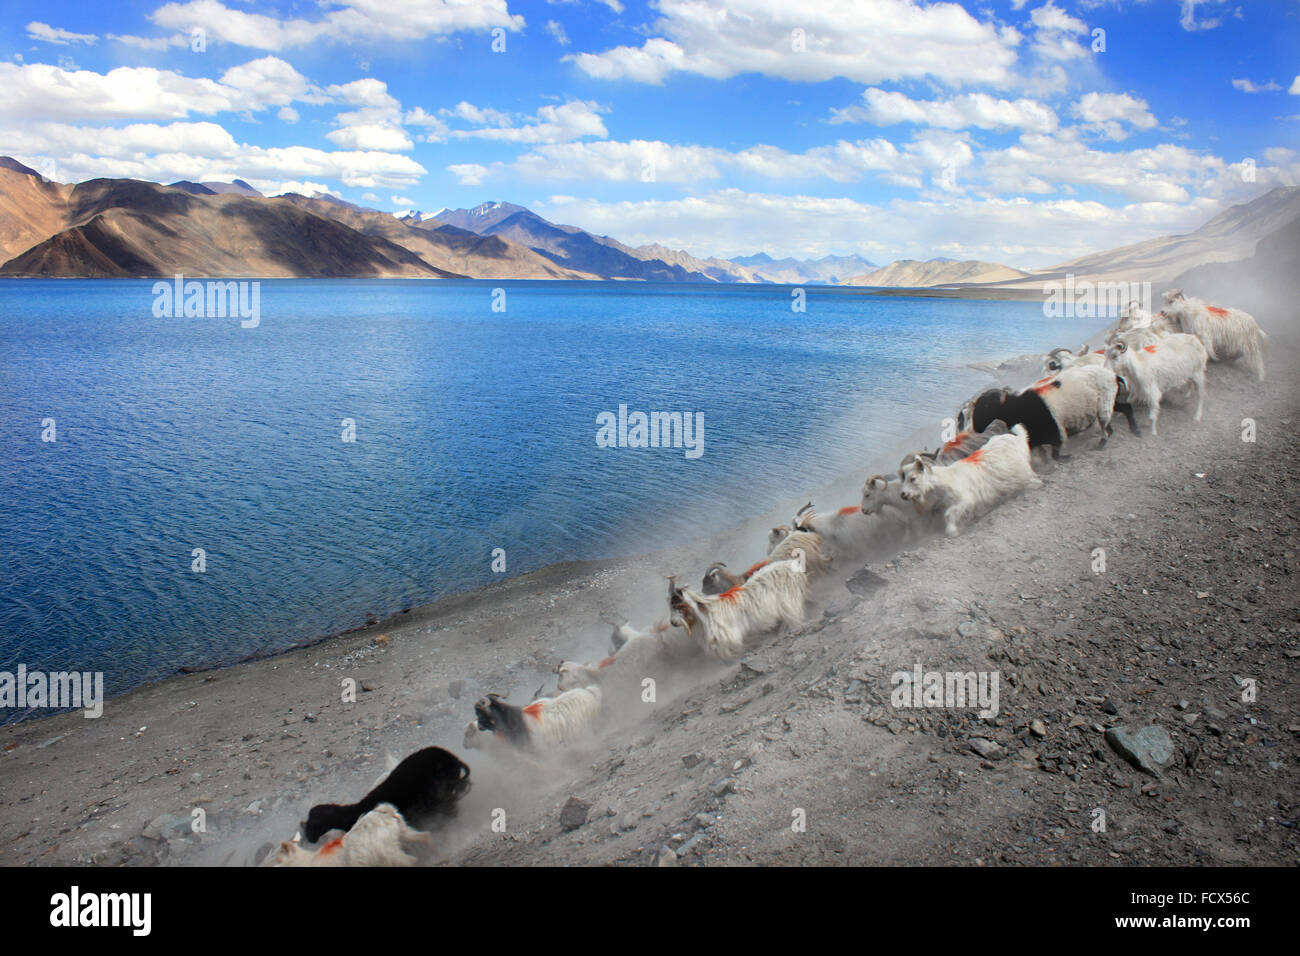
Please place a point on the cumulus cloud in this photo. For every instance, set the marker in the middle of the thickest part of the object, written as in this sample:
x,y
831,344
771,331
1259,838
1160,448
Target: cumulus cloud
x,y
376,124
962,111
302,189
43,91
468,174
868,41
164,152
354,20
1056,33
551,124
1113,115
936,154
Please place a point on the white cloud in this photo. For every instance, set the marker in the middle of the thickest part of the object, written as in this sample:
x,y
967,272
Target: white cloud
x,y
1187,15
1042,164
366,136
287,114
150,43
45,92
468,174
555,30
868,41
551,124
940,155
43,31
1294,88
402,201
366,91
962,111
1018,232
376,124
480,116
1249,86
355,20
206,139
1055,34
302,189
1113,114
198,151
437,129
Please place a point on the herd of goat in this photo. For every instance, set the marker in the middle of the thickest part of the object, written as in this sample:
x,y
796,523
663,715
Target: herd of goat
x,y
1145,359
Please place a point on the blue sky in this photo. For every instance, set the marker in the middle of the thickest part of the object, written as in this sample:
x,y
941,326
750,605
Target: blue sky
x,y
1010,130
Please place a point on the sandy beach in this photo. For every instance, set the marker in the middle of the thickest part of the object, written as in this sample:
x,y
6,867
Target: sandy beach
x,y
1199,595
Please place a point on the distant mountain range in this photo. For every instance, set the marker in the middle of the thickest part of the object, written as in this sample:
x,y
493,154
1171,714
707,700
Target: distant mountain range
x,y
911,274
829,270
124,227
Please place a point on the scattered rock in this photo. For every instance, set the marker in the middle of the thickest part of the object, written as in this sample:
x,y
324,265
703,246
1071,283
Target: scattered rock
x,y
1038,728
987,748
692,759
574,813
1148,748
864,582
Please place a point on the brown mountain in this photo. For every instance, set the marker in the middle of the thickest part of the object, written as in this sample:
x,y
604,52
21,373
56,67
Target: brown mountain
x,y
913,274
31,207
124,227
447,247
576,249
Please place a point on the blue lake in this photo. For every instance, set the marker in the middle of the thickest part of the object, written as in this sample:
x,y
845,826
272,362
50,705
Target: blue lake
x,y
475,430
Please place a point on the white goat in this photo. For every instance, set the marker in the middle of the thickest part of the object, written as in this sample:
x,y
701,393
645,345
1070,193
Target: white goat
x,y
847,532
1227,334
975,484
885,491
630,662
380,838
1061,359
546,723
720,624
882,491
1152,366
783,543
1079,397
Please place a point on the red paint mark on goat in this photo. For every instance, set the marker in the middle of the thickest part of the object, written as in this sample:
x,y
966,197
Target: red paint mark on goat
x,y
1217,312
851,509
731,595
1044,385
1149,348
1099,352
605,663
750,572
975,457
534,711
335,844
950,445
